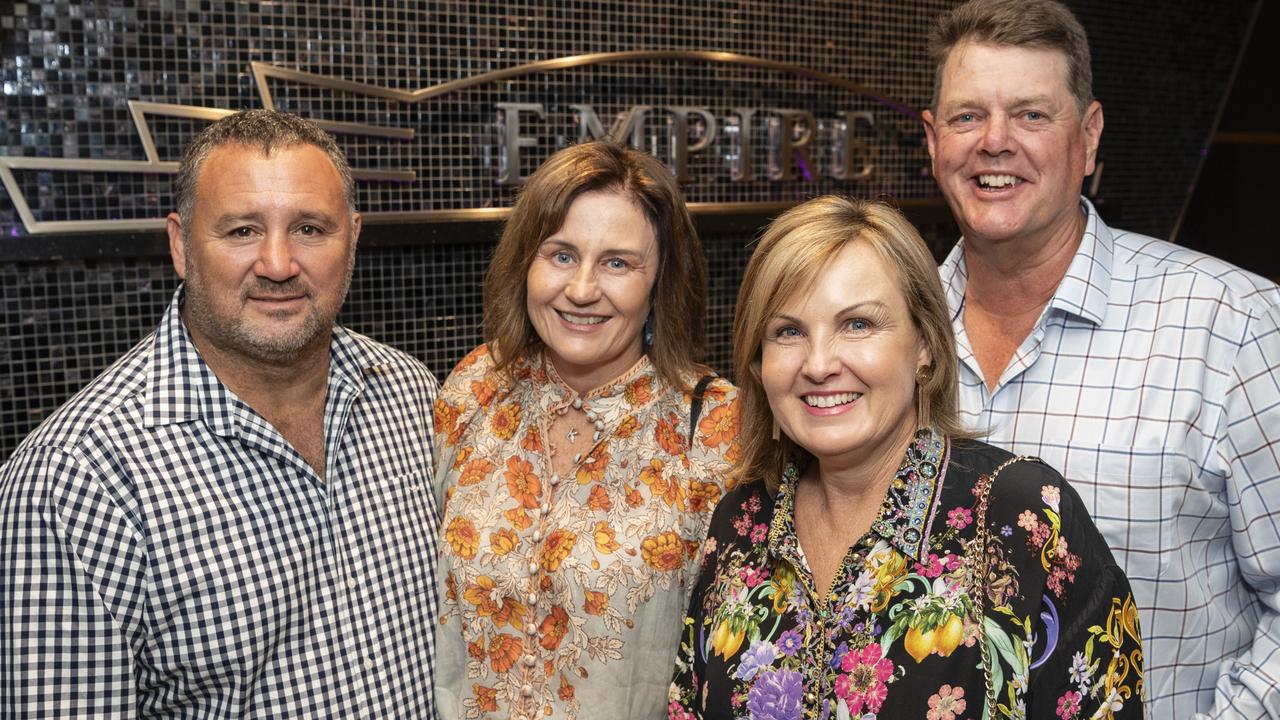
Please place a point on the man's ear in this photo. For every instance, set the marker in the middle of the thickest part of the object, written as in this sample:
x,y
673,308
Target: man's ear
x,y
177,248
1091,123
357,223
930,133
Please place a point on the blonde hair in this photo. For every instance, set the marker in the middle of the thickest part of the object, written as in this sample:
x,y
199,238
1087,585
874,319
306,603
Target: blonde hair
x,y
793,250
679,299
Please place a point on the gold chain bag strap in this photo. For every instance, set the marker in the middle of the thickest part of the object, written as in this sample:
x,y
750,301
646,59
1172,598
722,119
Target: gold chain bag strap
x,y
978,572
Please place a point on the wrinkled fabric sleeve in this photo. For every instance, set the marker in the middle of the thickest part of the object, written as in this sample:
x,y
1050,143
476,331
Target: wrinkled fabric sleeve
x,y
1092,665
1247,451
72,582
686,694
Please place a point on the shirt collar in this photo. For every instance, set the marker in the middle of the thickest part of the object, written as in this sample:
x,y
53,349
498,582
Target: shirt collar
x,y
1084,289
183,388
907,511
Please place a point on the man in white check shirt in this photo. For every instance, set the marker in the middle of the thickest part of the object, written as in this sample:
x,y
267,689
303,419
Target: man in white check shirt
x,y
1145,372
235,519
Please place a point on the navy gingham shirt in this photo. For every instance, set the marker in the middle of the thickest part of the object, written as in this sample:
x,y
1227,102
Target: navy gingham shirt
x,y
164,552
1152,382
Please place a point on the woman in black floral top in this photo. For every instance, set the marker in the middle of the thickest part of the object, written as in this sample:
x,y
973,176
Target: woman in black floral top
x,y
851,574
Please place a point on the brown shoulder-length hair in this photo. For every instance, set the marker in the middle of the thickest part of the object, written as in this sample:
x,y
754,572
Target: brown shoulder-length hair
x,y
679,296
792,251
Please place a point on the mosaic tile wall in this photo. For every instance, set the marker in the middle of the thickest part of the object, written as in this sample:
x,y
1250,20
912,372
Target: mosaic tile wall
x,y
69,69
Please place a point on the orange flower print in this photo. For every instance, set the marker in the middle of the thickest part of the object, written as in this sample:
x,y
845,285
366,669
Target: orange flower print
x,y
464,454
627,427
556,549
553,628
731,456
450,588
720,426
502,541
565,692
663,552
504,650
598,499
634,498
475,649
532,440
472,357
480,594
463,537
446,421
596,603
593,469
652,475
702,496
606,541
519,518
486,698
483,391
523,485
639,391
512,613
668,436
505,420
475,471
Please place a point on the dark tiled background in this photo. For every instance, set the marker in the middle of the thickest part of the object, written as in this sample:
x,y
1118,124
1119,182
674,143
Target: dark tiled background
x,y
70,68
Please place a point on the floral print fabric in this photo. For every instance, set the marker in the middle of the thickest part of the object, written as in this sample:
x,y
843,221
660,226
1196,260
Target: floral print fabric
x,y
563,594
898,634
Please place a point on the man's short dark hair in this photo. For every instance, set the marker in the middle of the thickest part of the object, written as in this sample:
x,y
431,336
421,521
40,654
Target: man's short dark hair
x,y
264,129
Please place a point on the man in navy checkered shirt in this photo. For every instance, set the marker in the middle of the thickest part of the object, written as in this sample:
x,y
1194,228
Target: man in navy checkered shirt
x,y
1145,372
235,519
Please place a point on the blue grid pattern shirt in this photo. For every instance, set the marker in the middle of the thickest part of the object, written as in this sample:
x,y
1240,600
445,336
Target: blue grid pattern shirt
x,y
165,553
1152,382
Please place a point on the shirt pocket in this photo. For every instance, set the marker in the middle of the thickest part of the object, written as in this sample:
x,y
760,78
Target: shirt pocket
x,y
1133,496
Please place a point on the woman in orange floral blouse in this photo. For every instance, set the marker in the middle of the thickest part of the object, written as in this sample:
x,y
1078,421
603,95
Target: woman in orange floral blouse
x,y
575,494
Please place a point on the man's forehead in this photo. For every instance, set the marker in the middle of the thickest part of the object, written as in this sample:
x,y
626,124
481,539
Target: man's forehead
x,y
972,60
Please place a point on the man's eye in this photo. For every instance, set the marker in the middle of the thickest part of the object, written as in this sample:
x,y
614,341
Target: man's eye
x,y
243,232
966,117
1035,115
309,230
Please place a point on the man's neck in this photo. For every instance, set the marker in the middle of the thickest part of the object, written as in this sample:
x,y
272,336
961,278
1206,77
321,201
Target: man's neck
x,y
290,394
1009,284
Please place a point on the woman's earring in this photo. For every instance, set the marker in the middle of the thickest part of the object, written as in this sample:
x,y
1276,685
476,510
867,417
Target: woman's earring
x,y
776,434
922,402
648,330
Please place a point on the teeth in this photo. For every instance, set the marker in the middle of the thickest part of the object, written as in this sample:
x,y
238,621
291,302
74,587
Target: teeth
x,y
583,319
997,181
826,401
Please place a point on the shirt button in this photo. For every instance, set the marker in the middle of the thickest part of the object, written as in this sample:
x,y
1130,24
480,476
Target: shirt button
x,y
530,661
543,507
533,567
526,690
537,536
532,598
530,629
351,584
811,697
554,479
368,664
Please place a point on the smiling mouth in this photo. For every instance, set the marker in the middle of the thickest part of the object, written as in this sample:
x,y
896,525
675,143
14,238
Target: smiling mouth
x,y
584,320
829,401
998,182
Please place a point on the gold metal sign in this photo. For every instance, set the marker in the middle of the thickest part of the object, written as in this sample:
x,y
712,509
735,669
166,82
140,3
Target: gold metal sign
x,y
263,73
